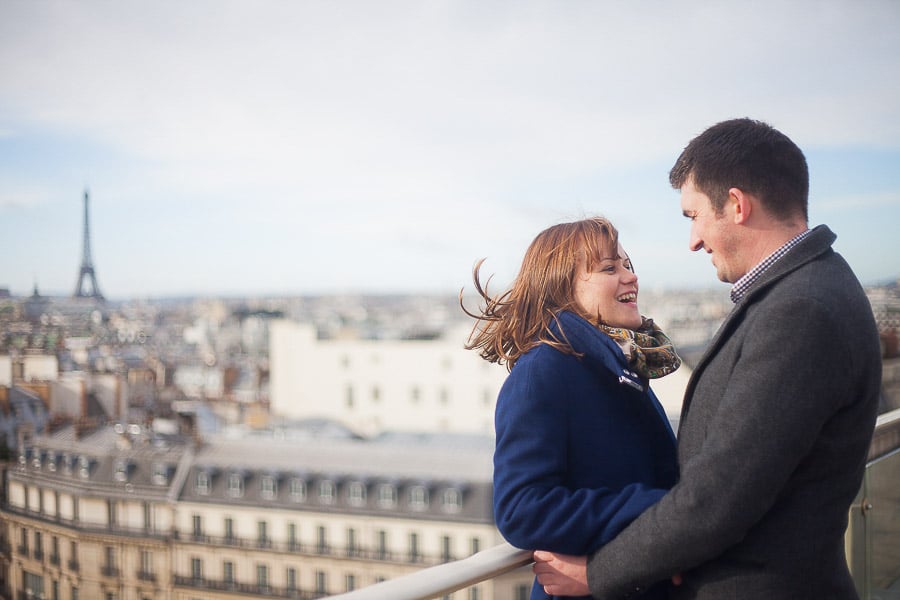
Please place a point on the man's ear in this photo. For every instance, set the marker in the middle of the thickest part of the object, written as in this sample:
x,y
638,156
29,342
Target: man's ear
x,y
741,205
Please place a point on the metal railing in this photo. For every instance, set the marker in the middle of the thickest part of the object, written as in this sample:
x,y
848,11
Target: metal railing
x,y
872,539
444,579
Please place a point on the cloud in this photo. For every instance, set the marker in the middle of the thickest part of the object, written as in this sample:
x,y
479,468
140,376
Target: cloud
x,y
425,130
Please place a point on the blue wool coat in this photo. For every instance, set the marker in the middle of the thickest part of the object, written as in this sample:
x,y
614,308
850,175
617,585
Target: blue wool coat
x,y
583,446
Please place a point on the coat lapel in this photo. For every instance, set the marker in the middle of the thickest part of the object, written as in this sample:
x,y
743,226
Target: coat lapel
x,y
817,243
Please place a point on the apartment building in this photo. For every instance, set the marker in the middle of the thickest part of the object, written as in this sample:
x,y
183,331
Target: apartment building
x,y
381,385
123,513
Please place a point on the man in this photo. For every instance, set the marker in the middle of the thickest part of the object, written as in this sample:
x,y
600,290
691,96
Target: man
x,y
779,413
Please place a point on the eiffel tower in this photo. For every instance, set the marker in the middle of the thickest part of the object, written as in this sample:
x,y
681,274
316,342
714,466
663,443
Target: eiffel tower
x,y
87,266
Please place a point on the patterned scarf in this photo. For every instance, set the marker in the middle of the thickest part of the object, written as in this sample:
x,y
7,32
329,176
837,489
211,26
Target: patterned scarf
x,y
649,351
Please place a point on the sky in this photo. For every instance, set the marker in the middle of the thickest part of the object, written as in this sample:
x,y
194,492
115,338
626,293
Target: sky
x,y
264,147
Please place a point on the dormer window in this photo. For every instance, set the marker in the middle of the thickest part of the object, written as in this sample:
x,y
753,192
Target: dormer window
x,y
451,500
418,497
236,485
356,493
84,467
387,495
121,470
298,489
203,483
160,474
326,491
268,487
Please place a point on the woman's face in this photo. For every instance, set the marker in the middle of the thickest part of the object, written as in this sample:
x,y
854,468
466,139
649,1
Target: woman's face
x,y
609,289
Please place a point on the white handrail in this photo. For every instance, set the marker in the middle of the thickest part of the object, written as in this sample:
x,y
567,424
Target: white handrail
x,y
446,578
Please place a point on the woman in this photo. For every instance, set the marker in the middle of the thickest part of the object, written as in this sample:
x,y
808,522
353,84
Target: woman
x,y
583,445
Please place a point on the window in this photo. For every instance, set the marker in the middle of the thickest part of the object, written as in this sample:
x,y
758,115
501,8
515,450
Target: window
x,y
197,526
418,497
196,569
262,575
268,487
23,541
111,518
291,579
326,491
474,593
376,393
235,485
446,548
202,484
415,394
73,556
321,582
451,500
523,592
34,585
262,533
322,540
229,528
387,495
109,569
228,572
292,536
38,545
146,563
298,490
84,467
148,517
160,473
356,493
382,544
348,394
413,552
121,470
475,545
352,543
350,582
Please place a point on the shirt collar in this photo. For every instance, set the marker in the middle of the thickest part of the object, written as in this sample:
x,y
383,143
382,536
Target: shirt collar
x,y
740,287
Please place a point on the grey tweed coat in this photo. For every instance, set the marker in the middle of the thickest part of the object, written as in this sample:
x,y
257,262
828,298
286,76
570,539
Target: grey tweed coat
x,y
772,444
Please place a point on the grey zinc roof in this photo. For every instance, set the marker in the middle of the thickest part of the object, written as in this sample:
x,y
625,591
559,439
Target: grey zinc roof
x,y
449,458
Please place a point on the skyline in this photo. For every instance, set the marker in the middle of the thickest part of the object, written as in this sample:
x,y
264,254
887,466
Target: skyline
x,y
269,148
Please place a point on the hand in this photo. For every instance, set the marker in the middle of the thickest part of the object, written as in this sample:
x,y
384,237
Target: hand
x,y
561,574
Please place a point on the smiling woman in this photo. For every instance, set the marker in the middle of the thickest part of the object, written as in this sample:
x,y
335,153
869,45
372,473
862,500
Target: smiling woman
x,y
583,446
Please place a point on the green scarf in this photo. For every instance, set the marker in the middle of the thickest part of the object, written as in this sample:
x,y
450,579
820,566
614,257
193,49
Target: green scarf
x,y
649,351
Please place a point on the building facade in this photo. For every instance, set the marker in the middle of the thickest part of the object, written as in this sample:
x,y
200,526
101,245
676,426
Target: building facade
x,y
379,385
126,514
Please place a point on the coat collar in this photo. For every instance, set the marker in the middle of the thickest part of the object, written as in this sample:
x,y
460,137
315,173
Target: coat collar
x,y
817,243
597,347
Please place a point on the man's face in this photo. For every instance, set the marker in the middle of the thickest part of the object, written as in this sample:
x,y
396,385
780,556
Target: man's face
x,y
711,232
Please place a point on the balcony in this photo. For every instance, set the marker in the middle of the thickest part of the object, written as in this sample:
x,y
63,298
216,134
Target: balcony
x,y
872,539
